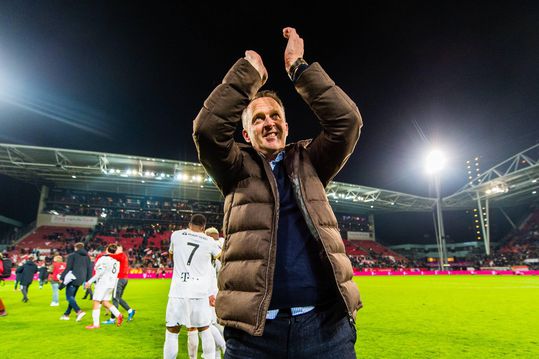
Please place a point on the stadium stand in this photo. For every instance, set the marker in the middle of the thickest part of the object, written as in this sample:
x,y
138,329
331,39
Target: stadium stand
x,y
49,238
143,225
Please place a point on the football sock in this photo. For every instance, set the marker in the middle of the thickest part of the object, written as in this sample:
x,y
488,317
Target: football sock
x,y
114,311
95,316
192,344
170,349
208,344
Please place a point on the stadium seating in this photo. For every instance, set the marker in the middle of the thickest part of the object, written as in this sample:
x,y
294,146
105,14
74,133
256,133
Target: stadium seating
x,y
143,225
47,237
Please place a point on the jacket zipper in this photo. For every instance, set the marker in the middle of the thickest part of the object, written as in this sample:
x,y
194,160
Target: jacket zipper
x,y
273,240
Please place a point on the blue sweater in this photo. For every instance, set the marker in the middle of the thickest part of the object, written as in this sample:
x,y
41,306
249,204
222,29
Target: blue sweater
x,y
300,278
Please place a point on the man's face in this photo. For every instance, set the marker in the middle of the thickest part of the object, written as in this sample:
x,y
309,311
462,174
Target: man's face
x,y
266,127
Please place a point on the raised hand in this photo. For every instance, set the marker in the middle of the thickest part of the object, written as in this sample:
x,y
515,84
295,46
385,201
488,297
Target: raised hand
x,y
294,47
254,59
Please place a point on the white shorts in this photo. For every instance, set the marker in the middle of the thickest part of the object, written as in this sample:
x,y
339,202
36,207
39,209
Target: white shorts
x,y
101,293
189,312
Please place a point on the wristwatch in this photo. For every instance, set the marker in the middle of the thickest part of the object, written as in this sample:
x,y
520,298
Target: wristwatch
x,y
293,72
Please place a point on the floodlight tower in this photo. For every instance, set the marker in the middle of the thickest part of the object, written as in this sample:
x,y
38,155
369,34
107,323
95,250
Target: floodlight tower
x,y
435,163
474,178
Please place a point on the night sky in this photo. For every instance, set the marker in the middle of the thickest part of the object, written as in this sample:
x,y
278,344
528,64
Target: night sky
x,y
130,79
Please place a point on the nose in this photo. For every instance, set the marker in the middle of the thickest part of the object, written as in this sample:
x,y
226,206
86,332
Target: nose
x,y
268,121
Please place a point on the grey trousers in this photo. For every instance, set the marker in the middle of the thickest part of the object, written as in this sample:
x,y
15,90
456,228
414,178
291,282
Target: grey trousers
x,y
117,299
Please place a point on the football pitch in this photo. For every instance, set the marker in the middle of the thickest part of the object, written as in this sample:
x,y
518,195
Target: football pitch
x,y
403,317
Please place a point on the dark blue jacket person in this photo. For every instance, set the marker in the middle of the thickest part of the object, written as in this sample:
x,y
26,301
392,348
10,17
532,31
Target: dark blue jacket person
x,y
27,271
80,265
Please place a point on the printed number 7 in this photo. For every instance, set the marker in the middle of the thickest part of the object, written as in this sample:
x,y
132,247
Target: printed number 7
x,y
195,247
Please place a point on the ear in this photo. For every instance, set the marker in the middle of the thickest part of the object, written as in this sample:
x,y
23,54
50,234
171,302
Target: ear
x,y
246,136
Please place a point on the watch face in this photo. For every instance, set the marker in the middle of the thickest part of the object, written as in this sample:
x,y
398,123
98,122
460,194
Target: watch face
x,y
294,68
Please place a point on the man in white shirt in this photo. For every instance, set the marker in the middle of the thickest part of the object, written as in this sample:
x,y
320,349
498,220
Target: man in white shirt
x,y
190,290
105,278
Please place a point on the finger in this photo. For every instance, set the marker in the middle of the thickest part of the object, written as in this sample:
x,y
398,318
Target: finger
x,y
288,31
251,54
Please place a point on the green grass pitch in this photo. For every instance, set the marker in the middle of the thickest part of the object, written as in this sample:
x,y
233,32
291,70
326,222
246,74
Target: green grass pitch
x,y
403,317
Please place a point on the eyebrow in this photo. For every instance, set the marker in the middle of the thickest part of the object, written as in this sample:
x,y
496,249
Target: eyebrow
x,y
258,114
262,114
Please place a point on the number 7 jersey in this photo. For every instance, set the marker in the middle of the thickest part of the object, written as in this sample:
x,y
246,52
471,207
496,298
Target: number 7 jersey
x,y
192,253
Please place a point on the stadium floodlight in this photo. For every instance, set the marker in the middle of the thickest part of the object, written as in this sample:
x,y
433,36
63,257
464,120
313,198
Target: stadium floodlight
x,y
435,161
497,188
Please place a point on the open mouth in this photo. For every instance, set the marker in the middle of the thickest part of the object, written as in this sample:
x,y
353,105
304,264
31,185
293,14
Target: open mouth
x,y
271,135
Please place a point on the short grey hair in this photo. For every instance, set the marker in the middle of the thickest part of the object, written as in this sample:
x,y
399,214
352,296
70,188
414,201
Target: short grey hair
x,y
259,94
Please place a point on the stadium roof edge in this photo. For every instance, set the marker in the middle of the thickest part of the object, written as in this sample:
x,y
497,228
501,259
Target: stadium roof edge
x,y
511,182
143,175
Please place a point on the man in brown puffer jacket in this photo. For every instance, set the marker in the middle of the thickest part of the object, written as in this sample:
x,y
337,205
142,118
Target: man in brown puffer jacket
x,y
285,286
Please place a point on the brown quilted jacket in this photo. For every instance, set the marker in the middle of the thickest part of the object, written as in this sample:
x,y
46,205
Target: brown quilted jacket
x,y
251,208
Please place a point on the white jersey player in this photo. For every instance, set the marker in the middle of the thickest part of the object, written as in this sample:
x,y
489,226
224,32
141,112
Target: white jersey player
x,y
105,278
214,233
191,287
216,328
192,253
